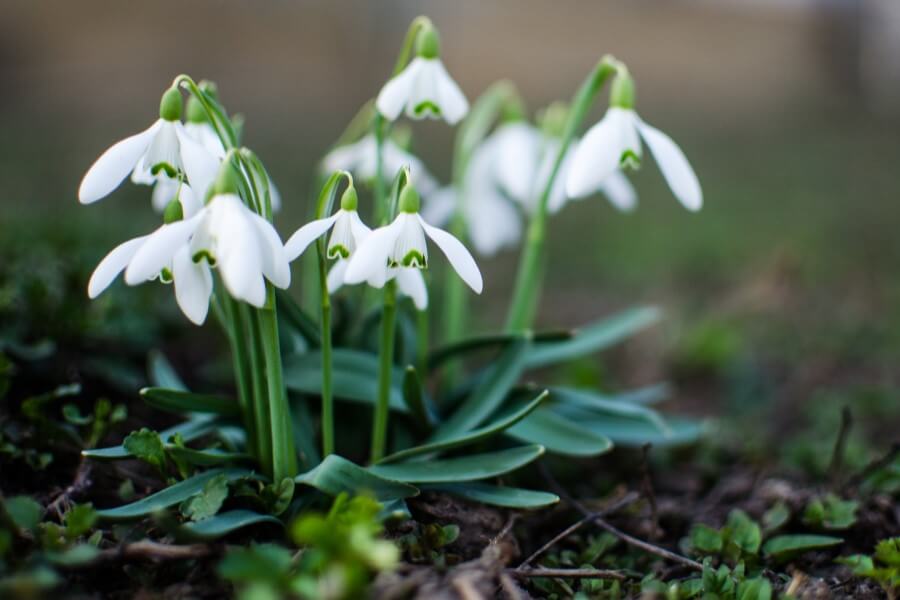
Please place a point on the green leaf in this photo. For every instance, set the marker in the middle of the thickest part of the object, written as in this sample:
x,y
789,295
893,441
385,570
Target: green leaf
x,y
631,432
278,496
559,434
355,376
209,457
495,495
147,446
774,518
72,414
77,555
222,524
290,313
888,551
171,495
784,547
24,511
465,468
79,520
705,539
489,393
594,337
207,501
758,588
181,402
414,397
161,372
189,431
471,437
831,512
482,342
604,405
335,475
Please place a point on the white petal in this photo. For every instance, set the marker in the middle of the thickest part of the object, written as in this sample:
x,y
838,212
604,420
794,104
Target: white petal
x,y
306,235
193,285
114,165
190,203
440,205
411,283
359,229
335,278
424,89
348,157
112,264
395,93
200,166
238,253
599,153
157,252
163,192
274,196
274,261
674,166
618,189
459,258
451,100
494,222
369,262
207,136
519,148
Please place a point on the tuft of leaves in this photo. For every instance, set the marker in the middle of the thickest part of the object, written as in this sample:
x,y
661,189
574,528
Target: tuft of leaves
x,y
883,566
830,513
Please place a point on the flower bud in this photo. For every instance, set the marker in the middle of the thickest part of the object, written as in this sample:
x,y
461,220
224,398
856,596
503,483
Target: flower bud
x,y
195,111
209,87
409,200
173,212
428,42
621,94
226,181
349,200
170,105
552,119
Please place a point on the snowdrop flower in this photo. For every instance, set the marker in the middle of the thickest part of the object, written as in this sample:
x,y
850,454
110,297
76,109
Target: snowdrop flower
x,y
360,159
615,142
401,245
423,88
164,147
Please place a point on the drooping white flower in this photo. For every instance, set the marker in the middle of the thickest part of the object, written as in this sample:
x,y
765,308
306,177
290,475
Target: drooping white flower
x,y
615,142
360,159
224,234
401,245
165,146
423,88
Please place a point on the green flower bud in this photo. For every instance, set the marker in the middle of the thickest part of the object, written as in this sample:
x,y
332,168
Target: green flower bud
x,y
409,200
226,180
209,87
349,200
621,93
170,105
173,212
552,119
195,111
428,43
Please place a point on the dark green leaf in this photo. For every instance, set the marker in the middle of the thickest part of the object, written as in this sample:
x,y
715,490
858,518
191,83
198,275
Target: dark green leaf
x,y
209,457
182,402
189,431
559,435
466,468
162,374
291,314
496,495
603,405
414,397
785,547
207,501
77,555
79,520
224,523
471,437
24,511
147,446
335,475
477,343
594,337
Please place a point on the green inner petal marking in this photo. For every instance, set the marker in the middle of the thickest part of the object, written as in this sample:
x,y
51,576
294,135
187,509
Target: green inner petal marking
x,y
414,259
338,251
630,160
163,166
165,276
426,107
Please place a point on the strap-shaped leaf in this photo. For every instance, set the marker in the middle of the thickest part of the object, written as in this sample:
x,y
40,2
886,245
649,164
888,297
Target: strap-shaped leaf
x,y
471,437
189,430
335,475
162,373
464,468
489,393
496,495
493,340
354,376
598,404
293,316
594,337
559,435
222,524
171,495
210,457
182,402
633,432
414,398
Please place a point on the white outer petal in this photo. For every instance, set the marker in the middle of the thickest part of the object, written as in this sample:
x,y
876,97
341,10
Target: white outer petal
x,y
439,206
410,282
347,157
335,278
598,154
276,267
114,165
424,88
619,191
369,262
359,229
450,98
200,165
395,94
163,192
459,258
158,250
493,221
674,166
238,254
306,235
193,285
113,264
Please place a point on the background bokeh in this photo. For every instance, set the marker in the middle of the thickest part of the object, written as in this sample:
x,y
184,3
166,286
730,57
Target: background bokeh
x,y
786,108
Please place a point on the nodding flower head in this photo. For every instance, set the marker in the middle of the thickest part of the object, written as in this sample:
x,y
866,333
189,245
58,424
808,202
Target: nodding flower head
x,y
347,231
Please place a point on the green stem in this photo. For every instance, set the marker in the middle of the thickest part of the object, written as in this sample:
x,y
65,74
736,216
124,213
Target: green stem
x,y
527,288
325,326
258,383
385,371
422,337
231,322
381,208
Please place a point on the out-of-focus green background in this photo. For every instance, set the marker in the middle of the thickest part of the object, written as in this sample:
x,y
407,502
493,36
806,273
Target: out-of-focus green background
x,y
787,110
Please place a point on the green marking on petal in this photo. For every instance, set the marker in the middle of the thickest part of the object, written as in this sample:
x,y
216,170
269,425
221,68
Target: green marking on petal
x,y
427,107
338,251
414,259
165,276
169,169
630,160
204,255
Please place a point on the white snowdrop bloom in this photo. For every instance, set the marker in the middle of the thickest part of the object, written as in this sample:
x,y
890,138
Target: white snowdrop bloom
x,y
166,189
423,88
615,142
360,159
401,245
165,146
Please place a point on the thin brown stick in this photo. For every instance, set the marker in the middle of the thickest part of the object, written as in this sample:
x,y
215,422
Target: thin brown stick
x,y
873,467
600,522
615,507
148,549
569,573
840,445
80,483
